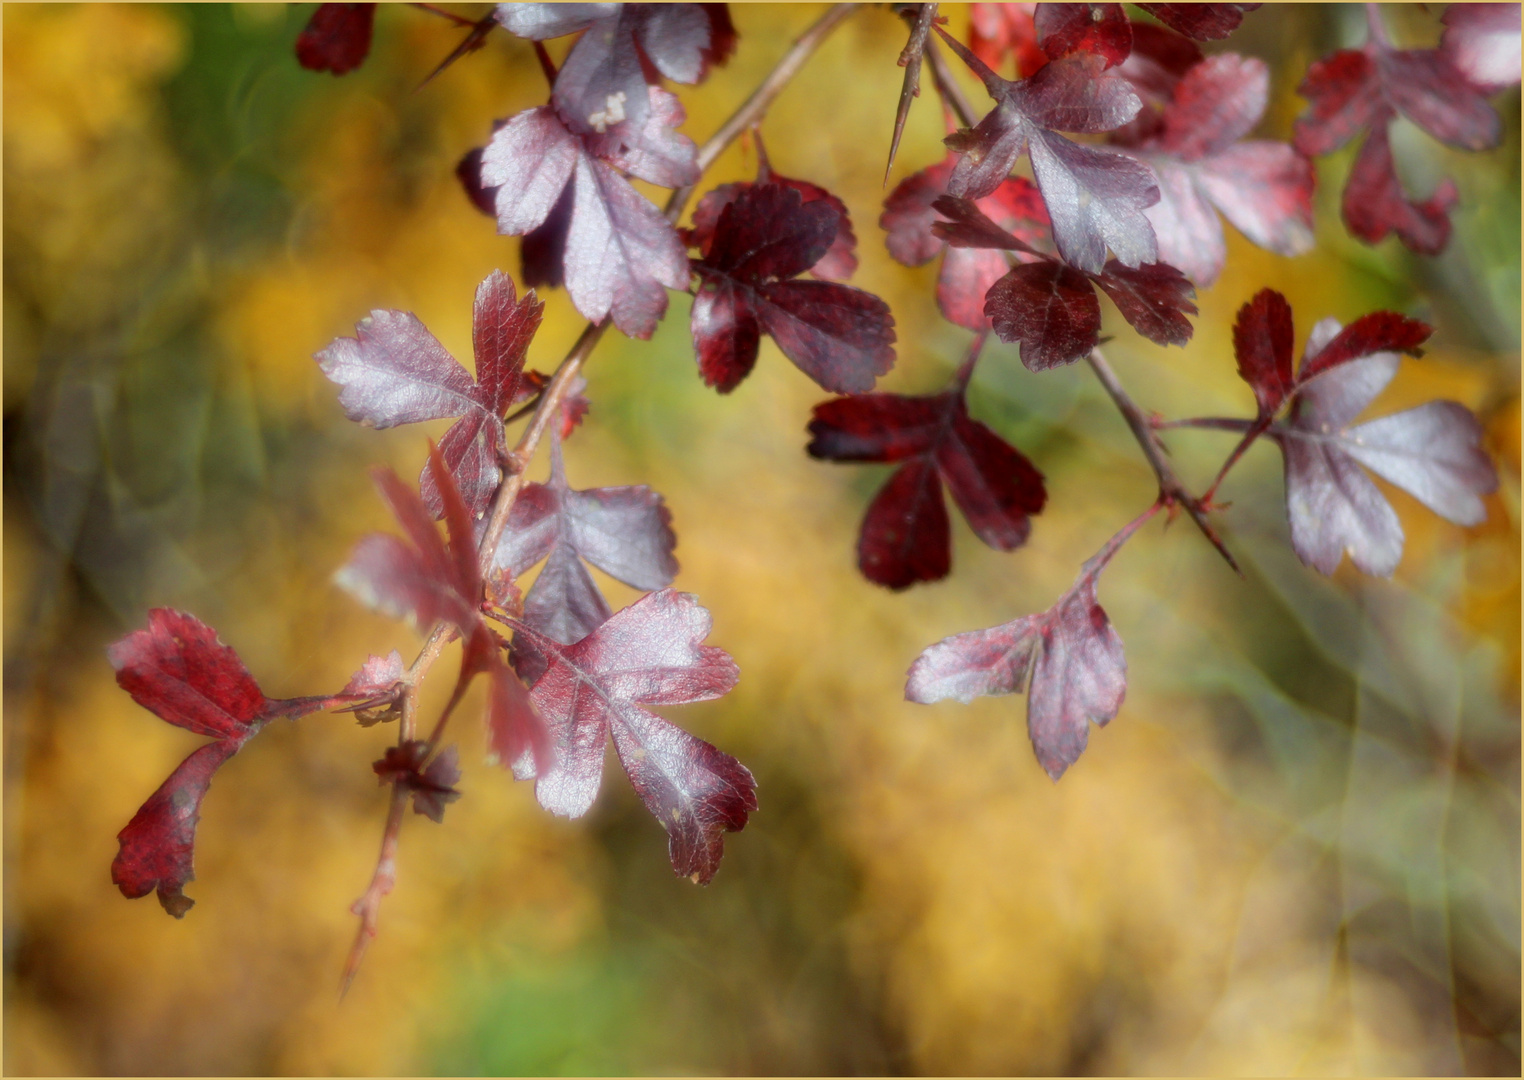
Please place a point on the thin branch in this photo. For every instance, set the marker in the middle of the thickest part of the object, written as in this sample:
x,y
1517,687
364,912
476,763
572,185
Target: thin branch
x,y
551,400
752,108
458,20
1215,423
1255,430
368,907
1097,562
948,88
1171,490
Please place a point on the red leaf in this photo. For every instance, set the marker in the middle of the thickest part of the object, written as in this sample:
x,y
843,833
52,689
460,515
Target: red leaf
x,y
840,259
1262,341
1363,90
1374,203
1380,331
1095,198
998,30
966,275
621,253
765,234
1101,29
1070,654
906,535
158,844
1203,22
1050,309
336,38
647,654
179,670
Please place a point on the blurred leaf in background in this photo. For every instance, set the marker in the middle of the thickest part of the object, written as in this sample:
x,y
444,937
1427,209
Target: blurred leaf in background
x,y
1295,850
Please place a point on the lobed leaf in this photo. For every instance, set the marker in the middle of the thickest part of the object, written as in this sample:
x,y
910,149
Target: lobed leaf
x,y
1068,660
906,535
650,653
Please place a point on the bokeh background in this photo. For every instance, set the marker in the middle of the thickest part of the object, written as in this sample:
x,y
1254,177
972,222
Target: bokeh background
x,y
1295,850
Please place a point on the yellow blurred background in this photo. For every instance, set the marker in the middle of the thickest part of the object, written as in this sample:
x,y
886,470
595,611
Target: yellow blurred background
x,y
1296,850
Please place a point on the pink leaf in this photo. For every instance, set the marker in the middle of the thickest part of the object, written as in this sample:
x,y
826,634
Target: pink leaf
x,y
648,654
1068,660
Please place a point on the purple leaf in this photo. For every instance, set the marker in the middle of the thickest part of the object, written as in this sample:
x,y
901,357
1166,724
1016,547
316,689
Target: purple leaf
x,y
624,531
1431,452
648,654
1070,655
1095,198
1050,309
1203,22
621,253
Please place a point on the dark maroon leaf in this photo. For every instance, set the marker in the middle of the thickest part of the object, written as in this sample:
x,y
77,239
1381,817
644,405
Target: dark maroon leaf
x,y
1374,203
1203,22
1050,309
1263,188
1363,90
766,234
621,253
967,273
542,252
1070,655
648,654
1262,342
1431,452
624,531
1482,42
840,259
1153,298
1095,198
469,172
336,38
1380,331
432,784
1101,29
905,536
158,844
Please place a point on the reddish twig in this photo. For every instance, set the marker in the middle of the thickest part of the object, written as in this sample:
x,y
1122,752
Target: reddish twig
x,y
551,400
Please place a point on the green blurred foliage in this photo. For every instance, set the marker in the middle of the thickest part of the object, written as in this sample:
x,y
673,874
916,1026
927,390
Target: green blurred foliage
x,y
1295,850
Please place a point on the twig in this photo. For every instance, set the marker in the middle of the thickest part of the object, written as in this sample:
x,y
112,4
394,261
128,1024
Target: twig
x,y
368,907
950,92
551,399
752,108
1171,490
